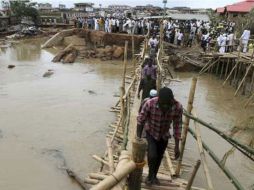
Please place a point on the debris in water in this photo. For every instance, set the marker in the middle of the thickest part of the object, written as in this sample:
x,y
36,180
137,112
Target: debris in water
x,y
48,73
92,92
11,66
56,154
244,131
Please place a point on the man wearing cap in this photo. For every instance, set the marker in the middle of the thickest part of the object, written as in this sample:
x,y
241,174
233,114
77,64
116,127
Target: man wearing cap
x,y
153,94
156,116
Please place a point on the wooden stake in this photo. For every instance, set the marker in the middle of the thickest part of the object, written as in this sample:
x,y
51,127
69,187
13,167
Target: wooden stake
x,y
138,155
186,123
110,156
200,73
249,101
124,167
231,72
247,71
226,72
202,154
77,179
193,175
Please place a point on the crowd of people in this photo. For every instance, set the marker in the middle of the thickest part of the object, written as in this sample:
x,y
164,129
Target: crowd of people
x,y
220,36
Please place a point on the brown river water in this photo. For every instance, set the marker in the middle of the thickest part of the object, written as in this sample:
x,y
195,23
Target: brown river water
x,y
48,124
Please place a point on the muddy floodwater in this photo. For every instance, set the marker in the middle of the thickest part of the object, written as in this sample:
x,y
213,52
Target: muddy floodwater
x,y
49,124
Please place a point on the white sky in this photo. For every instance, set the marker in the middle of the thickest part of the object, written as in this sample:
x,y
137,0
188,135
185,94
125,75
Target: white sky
x,y
171,3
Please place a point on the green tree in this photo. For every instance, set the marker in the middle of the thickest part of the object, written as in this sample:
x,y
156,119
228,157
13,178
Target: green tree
x,y
21,9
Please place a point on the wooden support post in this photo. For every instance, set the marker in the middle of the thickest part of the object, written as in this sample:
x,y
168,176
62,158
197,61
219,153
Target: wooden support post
x,y
222,68
244,77
226,72
186,123
252,82
77,179
124,167
206,65
193,175
236,72
138,155
249,101
202,154
231,72
218,67
110,156
212,64
133,51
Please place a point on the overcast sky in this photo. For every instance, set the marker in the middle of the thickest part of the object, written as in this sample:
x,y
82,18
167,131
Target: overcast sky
x,y
171,3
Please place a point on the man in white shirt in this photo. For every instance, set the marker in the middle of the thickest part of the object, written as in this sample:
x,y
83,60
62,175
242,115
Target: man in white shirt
x,y
245,39
153,42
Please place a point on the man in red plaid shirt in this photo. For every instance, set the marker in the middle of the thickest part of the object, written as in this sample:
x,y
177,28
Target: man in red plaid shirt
x,y
156,116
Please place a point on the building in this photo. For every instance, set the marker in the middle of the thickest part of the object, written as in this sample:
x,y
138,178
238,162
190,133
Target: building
x,y
86,7
236,9
61,6
119,7
44,6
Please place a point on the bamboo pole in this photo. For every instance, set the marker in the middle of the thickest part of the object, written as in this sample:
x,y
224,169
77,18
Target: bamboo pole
x,y
77,179
138,155
247,71
222,134
217,68
230,176
249,100
169,163
99,159
202,154
124,167
133,51
186,123
193,175
252,82
238,60
231,72
98,176
226,72
222,68
110,156
200,73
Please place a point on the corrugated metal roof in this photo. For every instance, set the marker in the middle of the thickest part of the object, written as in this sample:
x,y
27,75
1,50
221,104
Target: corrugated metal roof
x,y
245,6
187,16
184,16
220,10
241,7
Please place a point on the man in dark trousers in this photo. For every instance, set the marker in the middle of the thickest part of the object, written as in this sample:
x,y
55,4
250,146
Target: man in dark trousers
x,y
156,116
146,85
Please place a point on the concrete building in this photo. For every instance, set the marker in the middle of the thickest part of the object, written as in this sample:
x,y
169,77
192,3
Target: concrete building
x,y
44,6
119,7
86,7
62,6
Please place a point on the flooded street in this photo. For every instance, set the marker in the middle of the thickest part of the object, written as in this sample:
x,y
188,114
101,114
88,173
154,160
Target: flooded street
x,y
48,124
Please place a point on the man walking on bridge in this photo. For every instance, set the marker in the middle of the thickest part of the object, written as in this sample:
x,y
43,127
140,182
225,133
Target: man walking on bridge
x,y
156,116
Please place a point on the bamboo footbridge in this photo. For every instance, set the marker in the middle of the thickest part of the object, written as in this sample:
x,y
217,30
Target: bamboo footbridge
x,y
124,166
